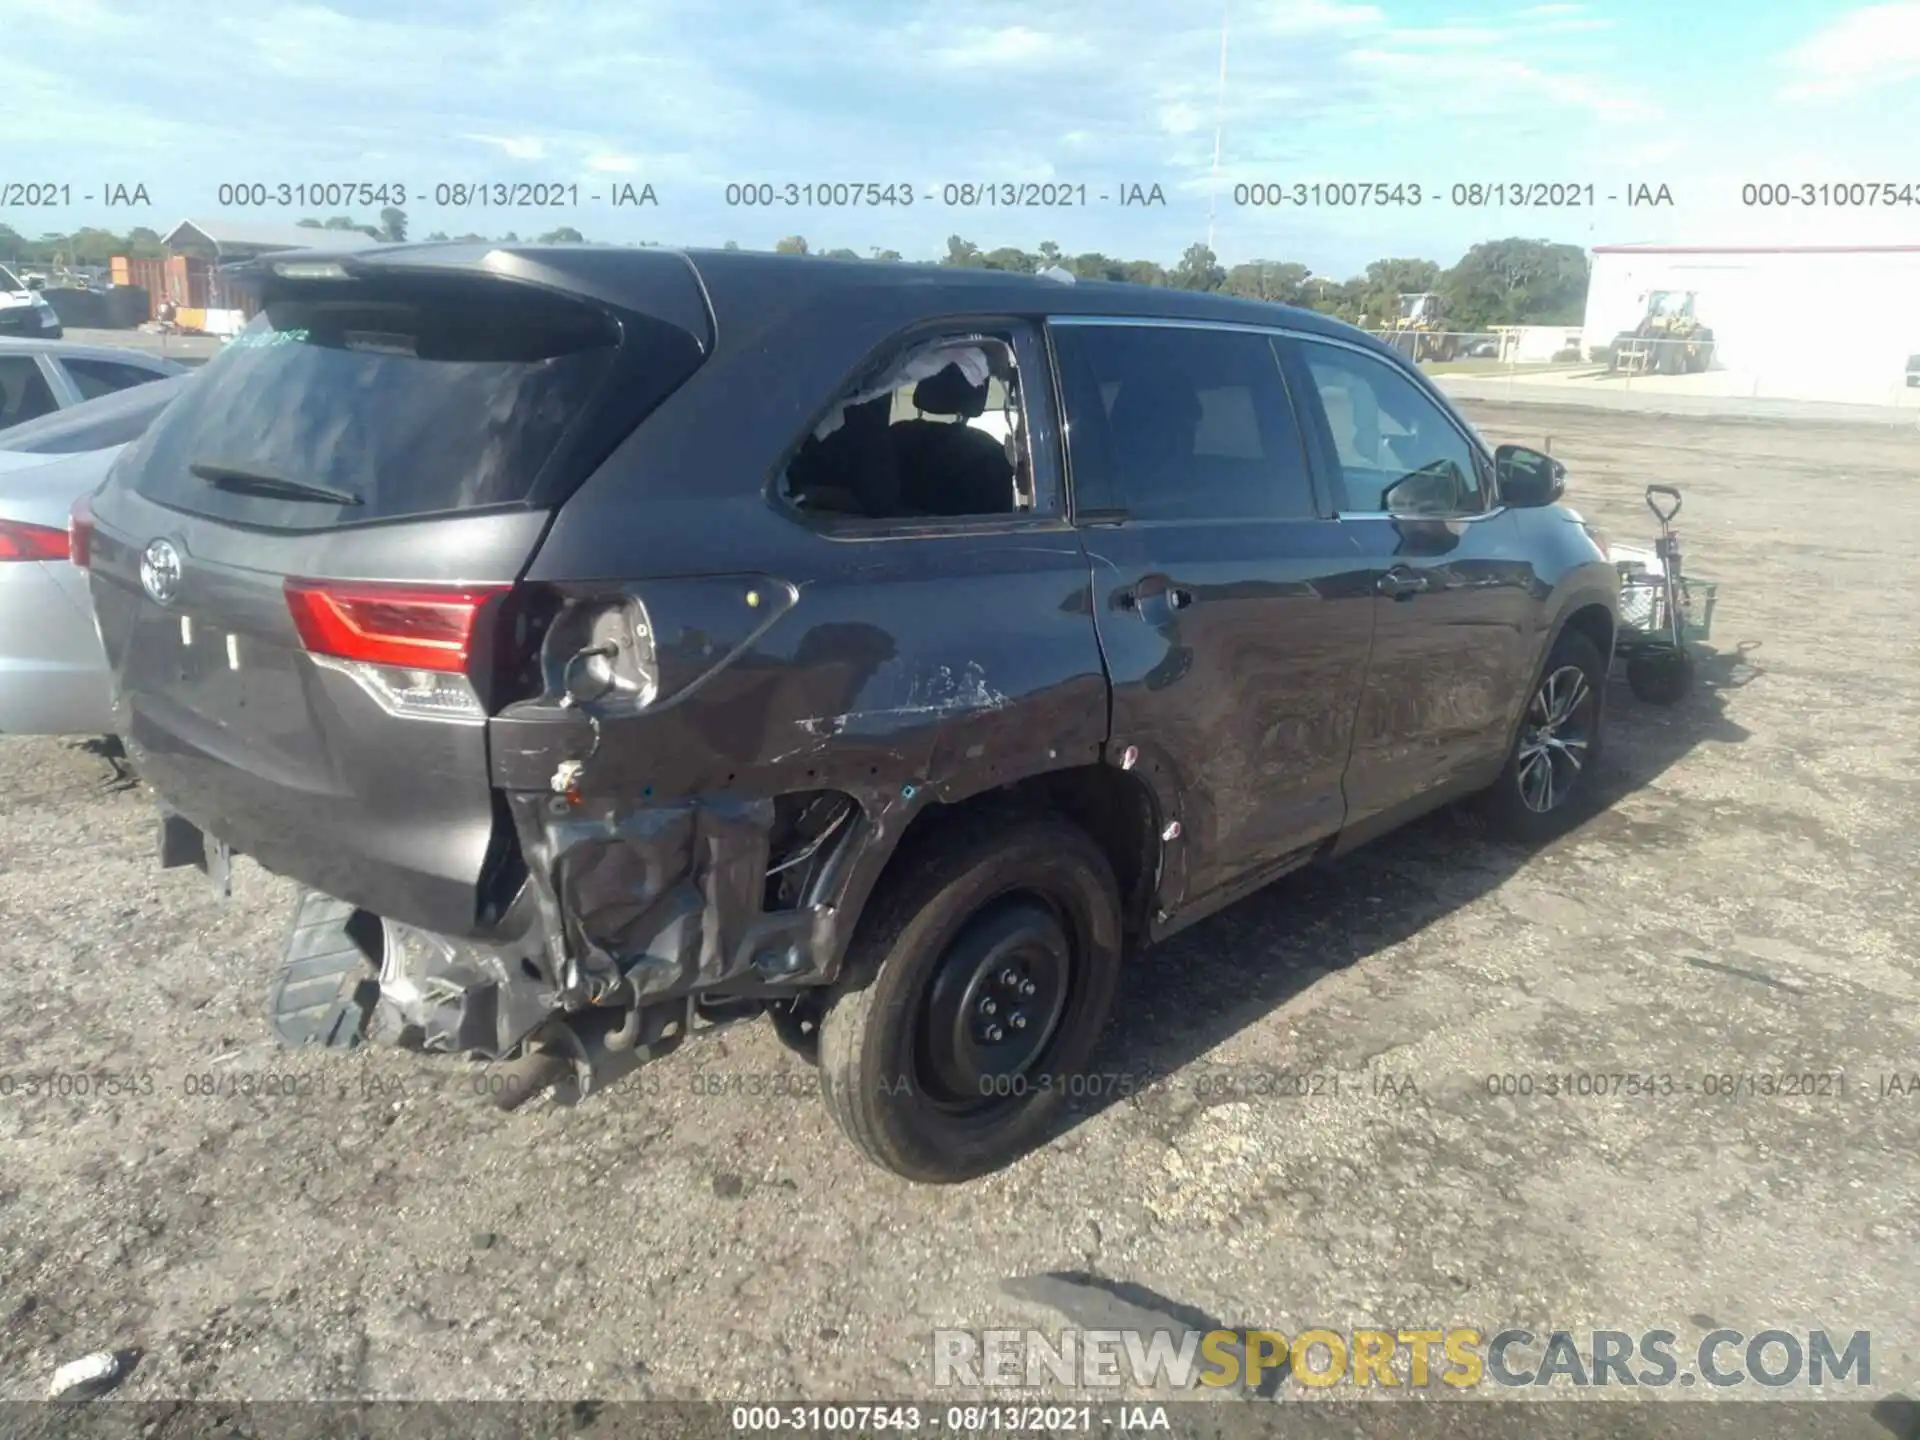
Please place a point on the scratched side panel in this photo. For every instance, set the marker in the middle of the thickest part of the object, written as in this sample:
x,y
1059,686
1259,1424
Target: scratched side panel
x,y
952,663
897,671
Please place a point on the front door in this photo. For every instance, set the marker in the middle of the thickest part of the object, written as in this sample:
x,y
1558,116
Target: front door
x,y
1231,609
1454,591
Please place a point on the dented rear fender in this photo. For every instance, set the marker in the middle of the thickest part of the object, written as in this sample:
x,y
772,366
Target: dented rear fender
x,y
649,808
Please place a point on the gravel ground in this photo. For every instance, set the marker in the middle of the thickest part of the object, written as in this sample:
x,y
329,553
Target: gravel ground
x,y
1743,908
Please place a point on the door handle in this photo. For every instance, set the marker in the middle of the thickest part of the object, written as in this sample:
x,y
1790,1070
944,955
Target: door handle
x,y
1151,595
1400,583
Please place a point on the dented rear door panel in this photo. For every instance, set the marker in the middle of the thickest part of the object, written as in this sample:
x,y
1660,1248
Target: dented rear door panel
x,y
893,671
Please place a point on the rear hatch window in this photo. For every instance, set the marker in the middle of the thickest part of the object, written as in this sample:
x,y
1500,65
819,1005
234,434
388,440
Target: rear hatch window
x,y
391,398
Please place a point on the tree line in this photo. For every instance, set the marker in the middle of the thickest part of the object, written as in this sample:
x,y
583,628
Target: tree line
x,y
1516,281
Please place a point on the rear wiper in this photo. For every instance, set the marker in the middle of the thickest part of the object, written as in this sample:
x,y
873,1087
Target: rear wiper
x,y
264,482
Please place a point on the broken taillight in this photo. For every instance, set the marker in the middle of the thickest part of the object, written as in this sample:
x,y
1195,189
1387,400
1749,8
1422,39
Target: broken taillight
x,y
412,647
21,541
80,533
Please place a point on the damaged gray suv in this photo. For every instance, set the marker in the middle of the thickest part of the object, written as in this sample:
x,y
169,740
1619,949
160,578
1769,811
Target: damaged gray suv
x,y
618,644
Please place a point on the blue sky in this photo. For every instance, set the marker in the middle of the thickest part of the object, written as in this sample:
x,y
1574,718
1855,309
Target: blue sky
x,y
688,95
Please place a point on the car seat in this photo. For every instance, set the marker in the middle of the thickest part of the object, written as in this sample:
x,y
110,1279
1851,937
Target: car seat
x,y
948,467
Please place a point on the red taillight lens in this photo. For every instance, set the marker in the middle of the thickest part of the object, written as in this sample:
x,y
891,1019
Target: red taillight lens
x,y
418,627
80,533
20,541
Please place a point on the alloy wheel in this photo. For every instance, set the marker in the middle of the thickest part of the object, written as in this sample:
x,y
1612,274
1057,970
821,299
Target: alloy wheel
x,y
1555,739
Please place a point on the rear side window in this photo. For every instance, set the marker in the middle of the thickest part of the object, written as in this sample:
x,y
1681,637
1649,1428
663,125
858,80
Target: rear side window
x,y
1181,424
94,378
411,398
24,391
96,424
937,431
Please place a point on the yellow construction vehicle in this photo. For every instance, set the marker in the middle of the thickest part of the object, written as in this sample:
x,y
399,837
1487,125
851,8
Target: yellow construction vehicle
x,y
1420,330
1669,340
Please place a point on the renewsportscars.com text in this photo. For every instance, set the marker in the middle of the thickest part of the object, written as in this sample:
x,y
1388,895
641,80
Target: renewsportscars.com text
x,y
1458,1357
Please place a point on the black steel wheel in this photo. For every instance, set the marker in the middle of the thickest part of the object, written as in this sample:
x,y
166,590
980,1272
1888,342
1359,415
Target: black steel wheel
x,y
978,982
1556,747
993,1004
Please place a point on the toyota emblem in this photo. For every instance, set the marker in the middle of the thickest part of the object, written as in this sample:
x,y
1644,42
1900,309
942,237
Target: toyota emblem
x,y
160,571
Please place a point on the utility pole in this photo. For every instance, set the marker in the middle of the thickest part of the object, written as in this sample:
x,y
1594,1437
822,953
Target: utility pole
x,y
1219,124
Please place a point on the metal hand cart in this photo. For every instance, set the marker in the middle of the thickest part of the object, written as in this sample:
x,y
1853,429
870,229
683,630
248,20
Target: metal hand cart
x,y
1662,611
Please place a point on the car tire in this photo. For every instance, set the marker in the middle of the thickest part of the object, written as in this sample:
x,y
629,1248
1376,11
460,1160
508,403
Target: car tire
x,y
327,988
980,924
1571,753
1661,677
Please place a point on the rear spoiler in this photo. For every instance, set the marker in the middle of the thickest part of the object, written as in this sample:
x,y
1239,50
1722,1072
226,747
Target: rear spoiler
x,y
650,282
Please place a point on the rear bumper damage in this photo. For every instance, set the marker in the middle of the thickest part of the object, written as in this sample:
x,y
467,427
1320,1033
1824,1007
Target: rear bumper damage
x,y
634,929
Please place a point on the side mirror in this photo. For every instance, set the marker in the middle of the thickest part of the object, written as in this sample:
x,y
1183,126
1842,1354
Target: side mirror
x,y
34,282
1529,479
1431,493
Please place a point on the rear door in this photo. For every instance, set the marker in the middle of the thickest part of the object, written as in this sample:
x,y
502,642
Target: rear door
x,y
1234,625
1455,589
303,570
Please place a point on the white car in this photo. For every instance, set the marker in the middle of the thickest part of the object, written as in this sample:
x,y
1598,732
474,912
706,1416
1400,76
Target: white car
x,y
24,310
53,674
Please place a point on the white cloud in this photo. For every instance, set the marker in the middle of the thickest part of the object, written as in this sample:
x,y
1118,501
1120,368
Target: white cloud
x,y
1180,118
1501,87
1658,151
1867,50
1292,16
1013,45
1545,12
1448,37
514,147
612,164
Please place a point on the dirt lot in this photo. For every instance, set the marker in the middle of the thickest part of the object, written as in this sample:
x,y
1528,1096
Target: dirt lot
x,y
1744,908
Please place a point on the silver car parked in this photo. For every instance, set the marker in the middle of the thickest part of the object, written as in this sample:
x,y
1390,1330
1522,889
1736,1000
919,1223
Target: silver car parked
x,y
53,676
38,377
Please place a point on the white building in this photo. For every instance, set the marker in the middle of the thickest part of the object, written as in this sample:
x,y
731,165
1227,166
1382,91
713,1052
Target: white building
x,y
1807,319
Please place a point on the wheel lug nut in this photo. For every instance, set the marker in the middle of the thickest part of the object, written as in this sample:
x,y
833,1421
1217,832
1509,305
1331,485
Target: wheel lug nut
x,y
1017,1020
1009,977
1026,988
995,1034
987,1007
